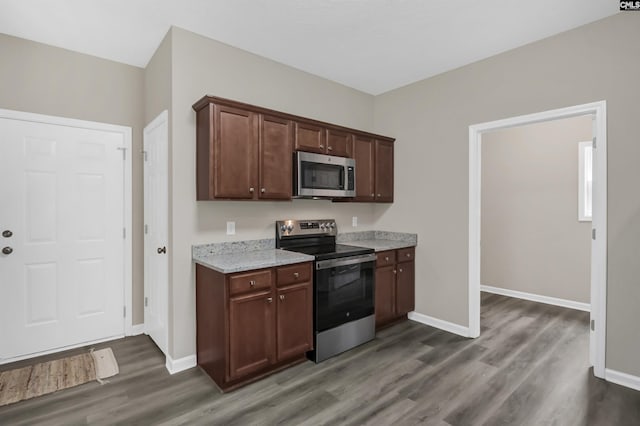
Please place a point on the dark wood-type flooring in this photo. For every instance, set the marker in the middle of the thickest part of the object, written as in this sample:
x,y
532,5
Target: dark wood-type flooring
x,y
528,367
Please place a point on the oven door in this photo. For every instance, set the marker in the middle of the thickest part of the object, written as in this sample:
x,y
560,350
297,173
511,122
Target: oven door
x,y
344,290
319,175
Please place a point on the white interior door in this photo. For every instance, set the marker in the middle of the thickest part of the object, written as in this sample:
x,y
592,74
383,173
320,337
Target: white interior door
x,y
156,230
62,269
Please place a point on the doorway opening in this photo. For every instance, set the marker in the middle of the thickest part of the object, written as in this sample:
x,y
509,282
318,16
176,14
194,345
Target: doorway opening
x,y
598,224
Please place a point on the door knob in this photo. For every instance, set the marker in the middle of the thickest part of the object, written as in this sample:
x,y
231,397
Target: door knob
x,y
7,250
7,233
162,250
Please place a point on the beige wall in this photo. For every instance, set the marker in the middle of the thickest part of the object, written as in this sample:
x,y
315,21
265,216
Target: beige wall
x,y
532,240
48,80
431,121
202,66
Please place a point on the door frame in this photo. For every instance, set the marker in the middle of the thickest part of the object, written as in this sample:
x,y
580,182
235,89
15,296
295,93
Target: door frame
x,y
128,328
161,119
599,220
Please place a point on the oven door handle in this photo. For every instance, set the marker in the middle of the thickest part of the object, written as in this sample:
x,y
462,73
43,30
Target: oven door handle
x,y
332,263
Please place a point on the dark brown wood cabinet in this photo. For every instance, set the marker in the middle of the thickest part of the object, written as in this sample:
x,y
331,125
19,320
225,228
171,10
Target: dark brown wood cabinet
x,y
364,154
275,165
251,324
310,137
395,285
384,171
244,152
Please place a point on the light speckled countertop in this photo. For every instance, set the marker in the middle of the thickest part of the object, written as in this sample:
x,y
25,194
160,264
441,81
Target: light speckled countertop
x,y
238,256
246,261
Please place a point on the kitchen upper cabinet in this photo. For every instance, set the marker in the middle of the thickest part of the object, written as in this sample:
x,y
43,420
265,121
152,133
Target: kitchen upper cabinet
x,y
339,143
245,152
310,137
275,158
251,333
364,154
395,285
383,171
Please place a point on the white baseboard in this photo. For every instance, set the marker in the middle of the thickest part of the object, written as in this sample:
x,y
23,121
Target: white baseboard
x,y
438,323
580,306
622,379
180,364
136,329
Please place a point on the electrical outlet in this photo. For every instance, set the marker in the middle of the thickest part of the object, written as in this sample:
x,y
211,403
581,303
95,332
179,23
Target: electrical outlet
x,y
354,221
231,228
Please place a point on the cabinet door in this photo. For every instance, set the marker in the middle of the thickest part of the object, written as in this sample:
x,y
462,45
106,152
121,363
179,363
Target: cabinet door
x,y
385,294
384,171
276,150
294,320
309,137
251,333
339,143
236,153
363,153
405,288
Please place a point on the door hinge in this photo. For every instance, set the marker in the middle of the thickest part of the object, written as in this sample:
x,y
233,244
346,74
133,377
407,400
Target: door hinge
x,y
593,234
146,301
124,152
146,228
124,233
144,155
593,325
124,311
594,142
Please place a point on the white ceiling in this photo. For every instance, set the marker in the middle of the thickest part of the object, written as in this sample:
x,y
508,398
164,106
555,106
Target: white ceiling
x,y
370,45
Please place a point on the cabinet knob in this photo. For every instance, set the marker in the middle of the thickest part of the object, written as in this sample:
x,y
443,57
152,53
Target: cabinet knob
x,y
400,269
321,146
379,195
329,148
282,297
251,189
263,190
386,258
373,195
408,254
269,299
295,274
252,283
395,272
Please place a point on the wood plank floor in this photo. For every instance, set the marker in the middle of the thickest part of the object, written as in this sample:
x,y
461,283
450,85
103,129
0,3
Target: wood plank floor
x,y
528,367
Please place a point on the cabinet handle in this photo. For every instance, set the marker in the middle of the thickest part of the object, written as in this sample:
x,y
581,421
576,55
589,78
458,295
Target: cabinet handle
x,y
251,189
269,299
252,283
263,190
282,297
295,274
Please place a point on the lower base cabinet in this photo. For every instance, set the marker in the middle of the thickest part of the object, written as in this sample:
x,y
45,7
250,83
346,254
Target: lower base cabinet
x,y
251,324
395,285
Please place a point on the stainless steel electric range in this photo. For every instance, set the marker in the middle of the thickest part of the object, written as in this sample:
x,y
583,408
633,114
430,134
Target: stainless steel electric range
x,y
343,285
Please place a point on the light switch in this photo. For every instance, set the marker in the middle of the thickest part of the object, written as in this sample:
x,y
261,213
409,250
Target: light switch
x,y
231,228
354,221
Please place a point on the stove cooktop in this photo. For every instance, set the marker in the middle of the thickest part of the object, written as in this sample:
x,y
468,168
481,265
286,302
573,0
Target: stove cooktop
x,y
331,251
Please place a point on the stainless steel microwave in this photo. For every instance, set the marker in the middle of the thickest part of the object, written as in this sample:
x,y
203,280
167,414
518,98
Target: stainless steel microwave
x,y
323,176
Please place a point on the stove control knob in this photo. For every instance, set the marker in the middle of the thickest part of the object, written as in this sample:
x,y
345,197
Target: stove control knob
x,y
283,228
332,225
322,226
289,228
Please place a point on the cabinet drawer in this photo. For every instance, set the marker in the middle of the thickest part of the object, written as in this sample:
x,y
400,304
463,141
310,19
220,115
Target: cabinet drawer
x,y
406,254
249,281
298,273
385,258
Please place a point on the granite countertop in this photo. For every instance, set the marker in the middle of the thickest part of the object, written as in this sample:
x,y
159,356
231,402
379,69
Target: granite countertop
x,y
379,240
238,256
